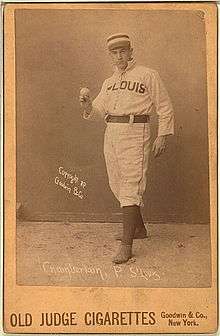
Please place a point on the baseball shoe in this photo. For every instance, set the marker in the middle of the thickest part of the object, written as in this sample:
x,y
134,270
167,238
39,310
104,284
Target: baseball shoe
x,y
123,255
139,234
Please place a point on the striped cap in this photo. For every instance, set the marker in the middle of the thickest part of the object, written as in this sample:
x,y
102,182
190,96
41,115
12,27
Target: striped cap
x,y
118,40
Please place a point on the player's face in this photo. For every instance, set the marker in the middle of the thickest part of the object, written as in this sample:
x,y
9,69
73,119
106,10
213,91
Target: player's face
x,y
120,57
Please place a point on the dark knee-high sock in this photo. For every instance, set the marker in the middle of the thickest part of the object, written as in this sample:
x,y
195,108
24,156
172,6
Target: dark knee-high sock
x,y
129,222
139,222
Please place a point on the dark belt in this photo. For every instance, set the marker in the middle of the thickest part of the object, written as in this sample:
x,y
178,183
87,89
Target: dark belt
x,y
128,118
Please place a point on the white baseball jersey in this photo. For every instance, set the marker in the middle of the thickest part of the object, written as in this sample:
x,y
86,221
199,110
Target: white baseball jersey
x,y
137,90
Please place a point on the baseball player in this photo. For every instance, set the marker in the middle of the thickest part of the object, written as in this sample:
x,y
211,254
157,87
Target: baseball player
x,y
125,102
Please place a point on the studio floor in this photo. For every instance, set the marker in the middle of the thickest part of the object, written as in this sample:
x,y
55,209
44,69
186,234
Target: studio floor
x,y
80,254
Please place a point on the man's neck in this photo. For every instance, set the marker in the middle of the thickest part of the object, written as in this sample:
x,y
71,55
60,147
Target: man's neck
x,y
122,69
128,66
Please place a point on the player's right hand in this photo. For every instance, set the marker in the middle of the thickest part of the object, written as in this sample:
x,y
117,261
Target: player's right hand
x,y
84,98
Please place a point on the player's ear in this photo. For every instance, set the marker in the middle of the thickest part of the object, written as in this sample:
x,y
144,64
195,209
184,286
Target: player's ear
x,y
131,54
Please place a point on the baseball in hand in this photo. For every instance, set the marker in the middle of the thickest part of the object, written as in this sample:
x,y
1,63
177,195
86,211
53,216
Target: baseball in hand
x,y
85,92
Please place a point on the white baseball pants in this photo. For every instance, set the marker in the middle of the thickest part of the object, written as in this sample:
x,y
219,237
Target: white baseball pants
x,y
126,150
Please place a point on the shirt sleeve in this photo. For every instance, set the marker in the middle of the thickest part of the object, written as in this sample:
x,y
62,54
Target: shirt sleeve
x,y
98,106
162,103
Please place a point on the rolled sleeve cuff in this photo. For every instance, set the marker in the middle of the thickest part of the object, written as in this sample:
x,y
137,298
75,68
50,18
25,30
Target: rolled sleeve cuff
x,y
87,115
165,131
166,126
93,115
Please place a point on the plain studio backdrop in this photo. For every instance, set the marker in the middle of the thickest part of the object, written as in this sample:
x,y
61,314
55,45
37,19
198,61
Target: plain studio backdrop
x,y
59,51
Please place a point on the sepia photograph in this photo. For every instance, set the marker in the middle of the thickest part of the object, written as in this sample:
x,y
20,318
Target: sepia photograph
x,y
112,174
112,148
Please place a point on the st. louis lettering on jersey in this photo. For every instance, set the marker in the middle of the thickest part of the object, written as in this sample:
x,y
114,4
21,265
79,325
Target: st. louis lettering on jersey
x,y
128,85
142,90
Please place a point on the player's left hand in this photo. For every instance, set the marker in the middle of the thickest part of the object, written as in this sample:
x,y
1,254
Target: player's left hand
x,y
159,145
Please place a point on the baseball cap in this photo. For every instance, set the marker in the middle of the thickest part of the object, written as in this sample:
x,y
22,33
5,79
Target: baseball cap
x,y
118,40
